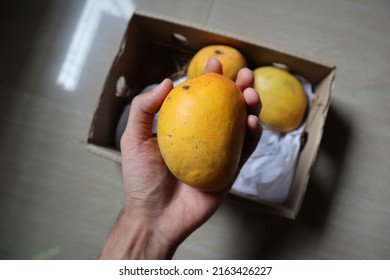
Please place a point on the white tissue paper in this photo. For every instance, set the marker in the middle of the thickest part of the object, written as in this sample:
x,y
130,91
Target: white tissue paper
x,y
268,173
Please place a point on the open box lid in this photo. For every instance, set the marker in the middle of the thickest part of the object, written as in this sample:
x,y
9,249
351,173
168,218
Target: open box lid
x,y
148,32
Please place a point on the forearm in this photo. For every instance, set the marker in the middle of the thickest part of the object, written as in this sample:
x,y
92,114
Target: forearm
x,y
134,239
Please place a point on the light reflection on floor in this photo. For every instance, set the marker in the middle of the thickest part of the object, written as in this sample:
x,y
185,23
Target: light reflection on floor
x,y
84,35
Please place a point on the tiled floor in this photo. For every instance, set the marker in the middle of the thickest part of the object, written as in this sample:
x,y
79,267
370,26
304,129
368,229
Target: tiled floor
x,y
58,201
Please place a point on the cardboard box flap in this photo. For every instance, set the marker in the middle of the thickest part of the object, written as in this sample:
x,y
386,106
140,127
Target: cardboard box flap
x,y
313,135
109,105
164,30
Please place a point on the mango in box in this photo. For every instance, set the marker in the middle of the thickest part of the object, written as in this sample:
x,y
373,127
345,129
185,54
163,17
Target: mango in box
x,y
283,98
201,130
231,59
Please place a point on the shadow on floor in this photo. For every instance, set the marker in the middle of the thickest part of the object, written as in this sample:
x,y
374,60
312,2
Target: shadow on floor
x,y
325,179
267,233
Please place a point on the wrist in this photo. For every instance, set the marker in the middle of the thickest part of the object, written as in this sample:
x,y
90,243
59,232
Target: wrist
x,y
132,238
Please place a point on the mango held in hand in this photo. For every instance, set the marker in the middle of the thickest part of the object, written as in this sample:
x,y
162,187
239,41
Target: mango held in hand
x,y
283,98
231,59
201,130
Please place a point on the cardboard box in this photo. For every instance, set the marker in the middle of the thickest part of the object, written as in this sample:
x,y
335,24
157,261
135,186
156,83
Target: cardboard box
x,y
155,47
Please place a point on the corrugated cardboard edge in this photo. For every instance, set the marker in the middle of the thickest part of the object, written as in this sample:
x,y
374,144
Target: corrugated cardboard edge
x,y
104,152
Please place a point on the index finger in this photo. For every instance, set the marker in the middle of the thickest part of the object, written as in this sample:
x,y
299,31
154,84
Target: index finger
x,y
245,78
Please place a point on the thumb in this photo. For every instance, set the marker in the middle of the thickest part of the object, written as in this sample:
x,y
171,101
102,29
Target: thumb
x,y
143,108
213,65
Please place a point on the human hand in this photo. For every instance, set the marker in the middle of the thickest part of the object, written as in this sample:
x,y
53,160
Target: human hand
x,y
161,211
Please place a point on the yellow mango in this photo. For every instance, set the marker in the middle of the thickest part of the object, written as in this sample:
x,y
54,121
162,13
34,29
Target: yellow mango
x,y
201,130
283,98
